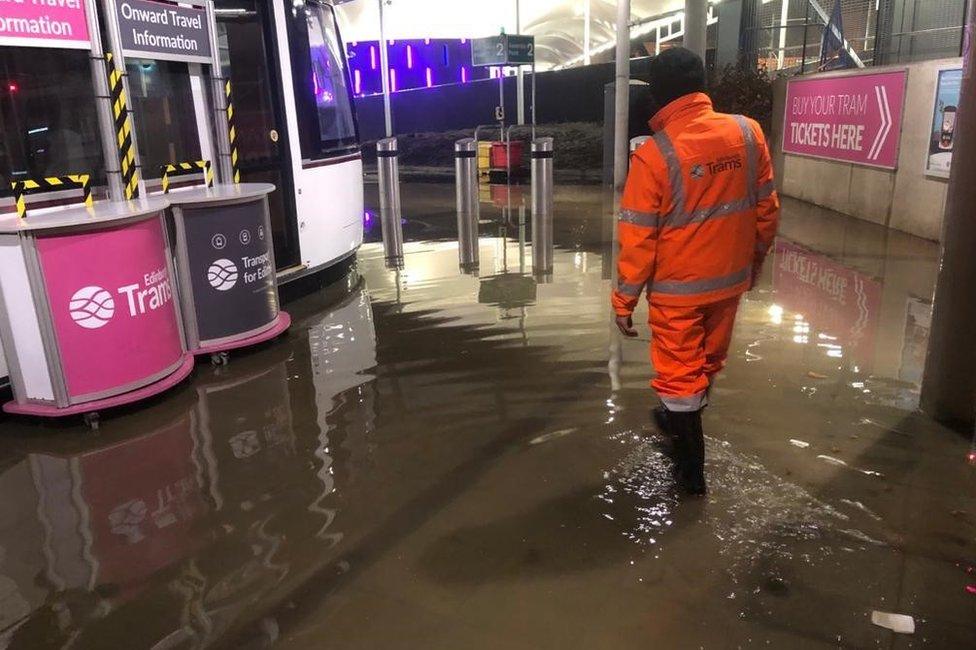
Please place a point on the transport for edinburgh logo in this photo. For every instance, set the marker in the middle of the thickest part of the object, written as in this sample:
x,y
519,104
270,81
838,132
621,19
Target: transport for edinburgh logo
x,y
222,275
92,307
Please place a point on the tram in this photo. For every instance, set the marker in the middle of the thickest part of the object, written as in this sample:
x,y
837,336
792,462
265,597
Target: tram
x,y
297,125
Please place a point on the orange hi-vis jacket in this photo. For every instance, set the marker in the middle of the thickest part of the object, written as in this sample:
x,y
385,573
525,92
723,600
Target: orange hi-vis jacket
x,y
699,211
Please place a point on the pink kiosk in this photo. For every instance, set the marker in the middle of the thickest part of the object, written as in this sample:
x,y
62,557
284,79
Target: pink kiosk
x,y
89,315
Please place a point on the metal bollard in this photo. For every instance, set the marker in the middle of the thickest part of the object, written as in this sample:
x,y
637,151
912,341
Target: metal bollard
x,y
390,214
468,206
542,206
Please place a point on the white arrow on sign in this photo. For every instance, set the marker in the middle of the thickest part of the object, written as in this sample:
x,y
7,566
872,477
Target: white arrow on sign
x,y
886,123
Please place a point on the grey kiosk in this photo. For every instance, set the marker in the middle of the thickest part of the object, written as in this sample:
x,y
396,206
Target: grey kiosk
x,y
223,249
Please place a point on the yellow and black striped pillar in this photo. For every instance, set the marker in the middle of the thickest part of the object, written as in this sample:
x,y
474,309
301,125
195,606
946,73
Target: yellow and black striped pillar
x,y
50,184
232,133
123,129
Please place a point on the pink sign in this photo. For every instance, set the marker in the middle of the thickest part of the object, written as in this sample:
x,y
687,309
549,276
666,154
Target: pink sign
x,y
44,23
835,299
111,300
851,118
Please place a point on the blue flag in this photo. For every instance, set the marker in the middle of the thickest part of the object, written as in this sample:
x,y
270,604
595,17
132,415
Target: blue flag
x,y
833,50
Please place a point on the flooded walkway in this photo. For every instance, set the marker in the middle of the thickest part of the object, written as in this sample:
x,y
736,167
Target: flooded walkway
x,y
436,459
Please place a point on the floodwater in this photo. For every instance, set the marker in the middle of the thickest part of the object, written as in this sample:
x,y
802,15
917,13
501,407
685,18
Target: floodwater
x,y
442,459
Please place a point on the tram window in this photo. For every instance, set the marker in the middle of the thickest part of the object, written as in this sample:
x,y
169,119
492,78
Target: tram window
x,y
163,113
48,115
322,85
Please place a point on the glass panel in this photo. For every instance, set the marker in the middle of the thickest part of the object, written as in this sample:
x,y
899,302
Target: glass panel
x,y
322,87
329,78
48,115
163,113
244,61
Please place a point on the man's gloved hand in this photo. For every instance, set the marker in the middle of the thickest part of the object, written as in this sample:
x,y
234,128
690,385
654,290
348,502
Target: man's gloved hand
x,y
626,326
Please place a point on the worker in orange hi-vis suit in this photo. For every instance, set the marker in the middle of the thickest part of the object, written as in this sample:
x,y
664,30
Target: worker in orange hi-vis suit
x,y
698,214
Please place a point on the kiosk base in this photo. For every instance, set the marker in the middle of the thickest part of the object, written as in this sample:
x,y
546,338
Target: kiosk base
x,y
161,386
281,324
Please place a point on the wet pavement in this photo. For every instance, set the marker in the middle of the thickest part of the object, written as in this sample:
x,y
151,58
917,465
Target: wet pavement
x,y
439,459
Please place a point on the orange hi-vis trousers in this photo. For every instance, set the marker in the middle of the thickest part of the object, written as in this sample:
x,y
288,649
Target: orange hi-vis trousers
x,y
689,346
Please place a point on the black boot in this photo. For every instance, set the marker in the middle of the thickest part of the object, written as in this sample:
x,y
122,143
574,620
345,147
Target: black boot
x,y
667,442
690,444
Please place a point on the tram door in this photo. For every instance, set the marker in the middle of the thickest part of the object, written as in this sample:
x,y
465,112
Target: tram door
x,y
247,41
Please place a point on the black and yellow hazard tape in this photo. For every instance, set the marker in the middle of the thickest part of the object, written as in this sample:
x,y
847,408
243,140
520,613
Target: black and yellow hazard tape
x,y
232,133
184,168
50,184
123,129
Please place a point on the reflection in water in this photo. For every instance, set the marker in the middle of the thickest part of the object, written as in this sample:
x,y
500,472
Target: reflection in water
x,y
446,455
542,245
640,491
755,515
194,519
842,303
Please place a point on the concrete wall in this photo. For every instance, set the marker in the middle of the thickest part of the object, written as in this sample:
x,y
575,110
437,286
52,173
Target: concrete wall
x,y
906,199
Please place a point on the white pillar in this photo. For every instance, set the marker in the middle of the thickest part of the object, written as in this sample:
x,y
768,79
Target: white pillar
x,y
520,94
783,19
696,26
622,97
385,73
586,32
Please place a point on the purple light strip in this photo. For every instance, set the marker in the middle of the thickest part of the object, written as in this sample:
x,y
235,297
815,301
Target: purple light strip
x,y
372,57
430,77
410,57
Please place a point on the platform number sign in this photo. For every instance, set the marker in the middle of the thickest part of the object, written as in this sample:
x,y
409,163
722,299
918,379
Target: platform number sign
x,y
504,49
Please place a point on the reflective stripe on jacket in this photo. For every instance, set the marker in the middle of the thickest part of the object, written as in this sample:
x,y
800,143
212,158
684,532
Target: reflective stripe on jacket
x,y
699,211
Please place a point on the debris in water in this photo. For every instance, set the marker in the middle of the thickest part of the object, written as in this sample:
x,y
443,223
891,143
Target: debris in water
x,y
832,460
546,437
860,506
816,375
897,623
840,463
799,443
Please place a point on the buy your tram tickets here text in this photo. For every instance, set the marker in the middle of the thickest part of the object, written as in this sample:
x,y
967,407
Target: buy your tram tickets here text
x,y
837,136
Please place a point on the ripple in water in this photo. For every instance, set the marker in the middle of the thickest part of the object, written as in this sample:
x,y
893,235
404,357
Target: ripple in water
x,y
756,516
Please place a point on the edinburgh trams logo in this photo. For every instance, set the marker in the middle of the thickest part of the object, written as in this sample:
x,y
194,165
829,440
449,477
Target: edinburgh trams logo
x,y
92,307
222,275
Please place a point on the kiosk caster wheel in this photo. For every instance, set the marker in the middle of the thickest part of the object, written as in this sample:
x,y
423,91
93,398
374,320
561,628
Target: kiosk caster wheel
x,y
219,359
92,421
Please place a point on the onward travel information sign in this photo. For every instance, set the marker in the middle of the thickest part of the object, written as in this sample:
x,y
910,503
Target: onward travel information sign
x,y
850,118
44,23
156,30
